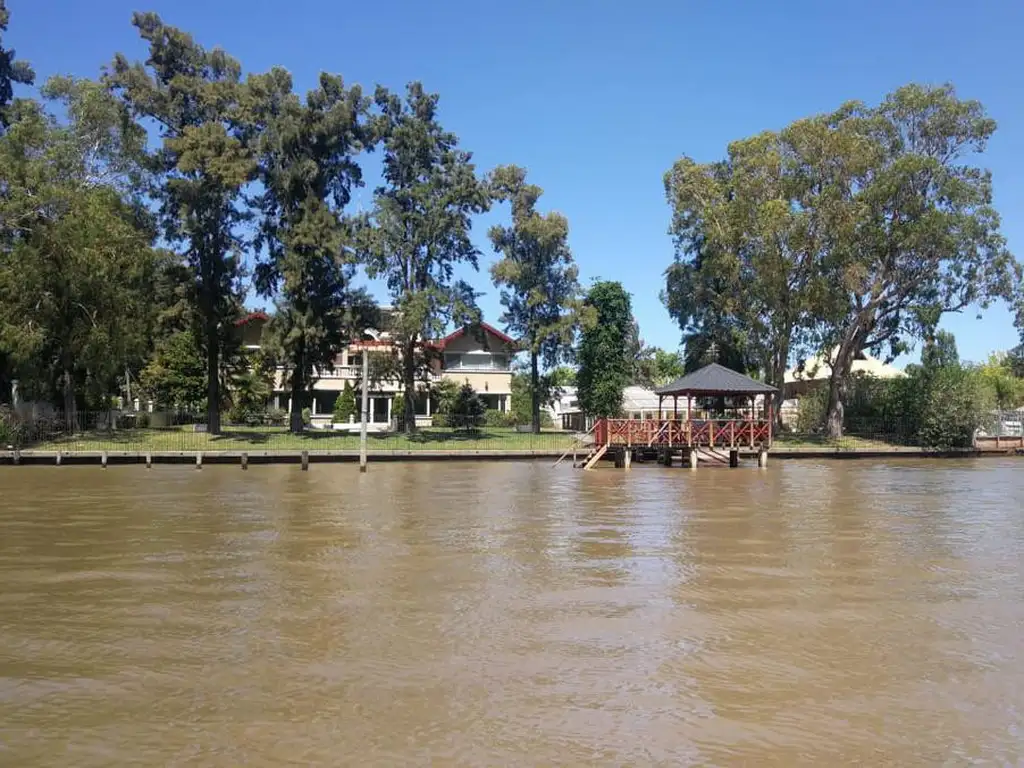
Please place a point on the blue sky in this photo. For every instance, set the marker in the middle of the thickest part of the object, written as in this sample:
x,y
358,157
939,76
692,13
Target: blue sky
x,y
597,99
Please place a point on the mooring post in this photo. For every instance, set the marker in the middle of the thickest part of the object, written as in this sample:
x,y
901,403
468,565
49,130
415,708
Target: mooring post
x,y
627,458
762,458
149,460
199,460
734,458
693,458
16,456
103,459
245,460
58,458
305,461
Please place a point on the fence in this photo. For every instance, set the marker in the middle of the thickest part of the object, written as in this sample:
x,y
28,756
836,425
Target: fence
x,y
121,432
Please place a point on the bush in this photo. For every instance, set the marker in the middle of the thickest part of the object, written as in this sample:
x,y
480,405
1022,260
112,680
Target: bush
x,y
495,418
345,405
307,416
445,392
276,417
469,409
811,409
143,420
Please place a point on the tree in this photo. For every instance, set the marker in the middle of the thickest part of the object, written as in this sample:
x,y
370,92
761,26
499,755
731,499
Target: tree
x,y
1007,390
604,350
469,409
195,98
419,229
668,366
538,279
940,351
175,376
76,263
345,405
12,71
912,233
306,151
445,393
746,278
563,376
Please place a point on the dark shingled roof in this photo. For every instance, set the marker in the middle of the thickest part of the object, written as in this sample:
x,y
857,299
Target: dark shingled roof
x,y
715,379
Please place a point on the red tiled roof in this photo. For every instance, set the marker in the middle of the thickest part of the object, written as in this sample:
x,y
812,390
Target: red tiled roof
x,y
258,315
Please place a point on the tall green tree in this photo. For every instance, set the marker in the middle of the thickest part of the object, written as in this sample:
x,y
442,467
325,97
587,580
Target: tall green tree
x,y
307,152
12,70
940,351
604,350
419,230
538,280
195,97
76,264
911,230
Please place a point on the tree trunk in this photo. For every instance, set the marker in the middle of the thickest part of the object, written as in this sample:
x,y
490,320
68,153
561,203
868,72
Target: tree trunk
x,y
296,423
409,385
212,379
70,416
534,394
837,385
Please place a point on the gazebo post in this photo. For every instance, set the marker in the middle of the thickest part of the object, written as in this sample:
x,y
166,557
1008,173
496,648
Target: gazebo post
x,y
675,407
688,413
659,407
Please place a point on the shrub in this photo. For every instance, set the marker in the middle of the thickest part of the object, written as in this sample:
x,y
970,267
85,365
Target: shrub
x,y
398,407
142,421
276,417
445,392
307,416
345,405
495,418
469,409
811,410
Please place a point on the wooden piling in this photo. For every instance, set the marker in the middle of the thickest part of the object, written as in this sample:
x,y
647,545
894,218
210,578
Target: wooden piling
x,y
734,458
199,460
103,459
762,458
693,459
245,461
149,460
627,459
305,457
58,458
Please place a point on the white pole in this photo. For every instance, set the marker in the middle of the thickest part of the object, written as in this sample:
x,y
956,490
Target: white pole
x,y
366,410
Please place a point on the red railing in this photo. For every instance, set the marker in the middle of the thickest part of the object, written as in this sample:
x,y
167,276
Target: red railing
x,y
722,433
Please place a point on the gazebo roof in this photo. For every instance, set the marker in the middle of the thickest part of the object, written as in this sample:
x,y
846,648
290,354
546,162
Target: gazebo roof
x,y
715,379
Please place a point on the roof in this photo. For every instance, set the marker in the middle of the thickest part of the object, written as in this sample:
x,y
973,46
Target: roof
x,y
639,399
715,379
817,369
257,315
441,344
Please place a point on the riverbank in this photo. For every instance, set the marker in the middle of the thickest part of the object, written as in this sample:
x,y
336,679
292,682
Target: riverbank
x,y
279,456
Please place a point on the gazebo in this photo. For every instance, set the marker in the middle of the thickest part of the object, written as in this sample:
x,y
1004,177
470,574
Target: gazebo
x,y
713,381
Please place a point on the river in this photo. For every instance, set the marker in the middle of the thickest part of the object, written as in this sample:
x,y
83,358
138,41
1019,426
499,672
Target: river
x,y
513,614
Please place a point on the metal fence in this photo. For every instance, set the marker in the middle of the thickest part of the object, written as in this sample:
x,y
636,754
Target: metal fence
x,y
124,432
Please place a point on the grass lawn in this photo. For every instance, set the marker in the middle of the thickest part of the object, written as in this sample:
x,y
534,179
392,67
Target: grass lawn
x,y
185,439
822,443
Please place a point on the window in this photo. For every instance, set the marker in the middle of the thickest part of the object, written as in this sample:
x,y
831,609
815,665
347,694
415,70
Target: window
x,y
475,361
355,358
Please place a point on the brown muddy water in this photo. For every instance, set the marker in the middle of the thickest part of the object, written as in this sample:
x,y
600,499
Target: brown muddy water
x,y
844,612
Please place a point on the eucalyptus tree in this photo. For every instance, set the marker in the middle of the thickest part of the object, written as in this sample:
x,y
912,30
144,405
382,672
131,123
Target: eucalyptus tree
x,y
605,357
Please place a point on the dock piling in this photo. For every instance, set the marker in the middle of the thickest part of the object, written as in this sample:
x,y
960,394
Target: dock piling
x,y
305,461
199,460
58,458
734,458
103,460
693,459
245,461
149,460
762,458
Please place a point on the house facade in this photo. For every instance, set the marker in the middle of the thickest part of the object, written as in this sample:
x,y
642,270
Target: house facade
x,y
480,356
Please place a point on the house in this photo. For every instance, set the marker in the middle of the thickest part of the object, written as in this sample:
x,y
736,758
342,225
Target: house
x,y
480,356
814,373
637,403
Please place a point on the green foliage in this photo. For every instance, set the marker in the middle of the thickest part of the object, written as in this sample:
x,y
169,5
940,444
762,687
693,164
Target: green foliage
x,y
398,407
306,152
469,409
496,418
307,416
811,411
1006,388
604,353
537,278
249,390
76,266
445,393
175,376
198,102
844,232
563,376
419,230
345,405
956,404
940,351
